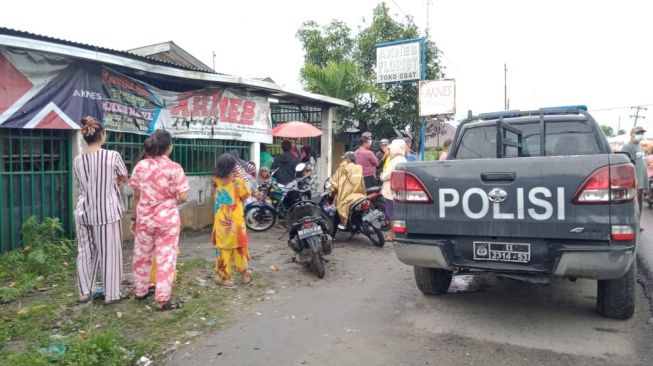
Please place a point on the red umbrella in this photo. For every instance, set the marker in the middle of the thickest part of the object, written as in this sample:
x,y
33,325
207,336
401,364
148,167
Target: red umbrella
x,y
296,129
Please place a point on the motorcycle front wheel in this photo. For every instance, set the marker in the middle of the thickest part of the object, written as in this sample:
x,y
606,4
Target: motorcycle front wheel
x,y
376,236
259,218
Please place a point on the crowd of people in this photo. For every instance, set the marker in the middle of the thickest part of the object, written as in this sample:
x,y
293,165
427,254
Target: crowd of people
x,y
160,185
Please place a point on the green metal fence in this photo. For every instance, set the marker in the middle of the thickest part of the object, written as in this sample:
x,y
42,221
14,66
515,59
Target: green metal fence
x,y
196,156
35,179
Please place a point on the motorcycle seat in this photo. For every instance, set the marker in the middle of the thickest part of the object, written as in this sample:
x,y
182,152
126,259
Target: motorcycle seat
x,y
355,203
374,189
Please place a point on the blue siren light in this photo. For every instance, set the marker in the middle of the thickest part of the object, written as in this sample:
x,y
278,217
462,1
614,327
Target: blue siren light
x,y
567,108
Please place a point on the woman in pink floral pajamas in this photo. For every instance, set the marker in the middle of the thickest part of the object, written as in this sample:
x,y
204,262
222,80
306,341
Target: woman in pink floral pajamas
x,y
159,185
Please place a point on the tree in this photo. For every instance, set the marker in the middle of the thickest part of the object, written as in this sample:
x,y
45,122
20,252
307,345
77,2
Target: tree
x,y
332,43
608,130
333,46
621,132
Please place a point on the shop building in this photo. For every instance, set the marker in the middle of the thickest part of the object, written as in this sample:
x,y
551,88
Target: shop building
x,y
47,85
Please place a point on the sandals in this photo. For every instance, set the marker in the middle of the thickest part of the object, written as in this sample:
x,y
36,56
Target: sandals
x,y
247,277
169,306
96,296
115,301
223,282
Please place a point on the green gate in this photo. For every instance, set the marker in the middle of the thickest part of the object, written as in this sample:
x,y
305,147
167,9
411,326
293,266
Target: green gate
x,y
35,179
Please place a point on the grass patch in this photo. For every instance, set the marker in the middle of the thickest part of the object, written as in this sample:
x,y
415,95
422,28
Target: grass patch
x,y
50,327
43,261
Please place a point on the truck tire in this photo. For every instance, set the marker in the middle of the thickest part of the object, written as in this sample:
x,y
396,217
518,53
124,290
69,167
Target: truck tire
x,y
432,281
616,298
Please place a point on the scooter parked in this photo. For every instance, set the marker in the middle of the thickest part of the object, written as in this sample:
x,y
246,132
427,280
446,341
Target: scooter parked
x,y
362,219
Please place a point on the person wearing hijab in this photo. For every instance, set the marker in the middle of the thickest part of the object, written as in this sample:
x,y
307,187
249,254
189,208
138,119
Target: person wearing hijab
x,y
397,156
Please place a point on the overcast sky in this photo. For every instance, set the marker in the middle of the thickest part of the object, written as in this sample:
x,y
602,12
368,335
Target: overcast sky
x,y
596,53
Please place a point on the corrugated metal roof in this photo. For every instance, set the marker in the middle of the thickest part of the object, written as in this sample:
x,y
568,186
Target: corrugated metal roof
x,y
20,39
18,33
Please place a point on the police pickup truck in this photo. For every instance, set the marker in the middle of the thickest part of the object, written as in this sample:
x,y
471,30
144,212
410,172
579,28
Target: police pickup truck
x,y
524,194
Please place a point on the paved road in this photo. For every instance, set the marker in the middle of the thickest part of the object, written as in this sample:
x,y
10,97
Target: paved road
x,y
367,311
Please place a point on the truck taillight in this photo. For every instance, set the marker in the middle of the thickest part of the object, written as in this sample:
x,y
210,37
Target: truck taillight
x,y
608,184
399,227
622,233
406,187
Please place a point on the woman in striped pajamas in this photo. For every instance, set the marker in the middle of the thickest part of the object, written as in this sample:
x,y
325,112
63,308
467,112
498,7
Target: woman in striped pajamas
x,y
98,173
159,185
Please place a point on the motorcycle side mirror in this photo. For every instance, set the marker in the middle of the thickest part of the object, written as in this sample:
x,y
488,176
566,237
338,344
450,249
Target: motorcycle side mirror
x,y
327,184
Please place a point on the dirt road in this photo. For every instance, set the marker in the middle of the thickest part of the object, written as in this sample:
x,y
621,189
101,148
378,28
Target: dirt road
x,y
367,311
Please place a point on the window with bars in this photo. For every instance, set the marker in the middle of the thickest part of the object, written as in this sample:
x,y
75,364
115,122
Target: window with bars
x,y
35,180
291,112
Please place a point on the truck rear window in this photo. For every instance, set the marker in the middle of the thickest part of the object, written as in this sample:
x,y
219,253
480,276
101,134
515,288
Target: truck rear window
x,y
561,138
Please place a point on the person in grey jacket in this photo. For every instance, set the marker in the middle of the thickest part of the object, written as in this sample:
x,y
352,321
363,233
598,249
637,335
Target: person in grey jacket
x,y
637,155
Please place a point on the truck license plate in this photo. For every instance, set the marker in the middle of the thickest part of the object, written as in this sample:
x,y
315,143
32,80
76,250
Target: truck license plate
x,y
311,231
502,252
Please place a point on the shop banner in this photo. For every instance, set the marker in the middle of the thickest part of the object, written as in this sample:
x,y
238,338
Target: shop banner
x,y
55,92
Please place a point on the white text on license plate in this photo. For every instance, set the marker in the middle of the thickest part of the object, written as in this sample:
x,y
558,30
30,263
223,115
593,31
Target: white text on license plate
x,y
313,230
502,252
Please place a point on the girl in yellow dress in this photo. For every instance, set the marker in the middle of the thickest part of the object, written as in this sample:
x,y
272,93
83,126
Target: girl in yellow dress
x,y
229,234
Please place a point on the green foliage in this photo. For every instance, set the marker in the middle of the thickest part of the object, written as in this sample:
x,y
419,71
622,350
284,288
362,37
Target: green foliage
x,y
104,347
607,130
331,51
331,44
42,261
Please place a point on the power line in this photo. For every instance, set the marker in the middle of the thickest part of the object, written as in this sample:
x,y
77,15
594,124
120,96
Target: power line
x,y
399,7
617,108
637,116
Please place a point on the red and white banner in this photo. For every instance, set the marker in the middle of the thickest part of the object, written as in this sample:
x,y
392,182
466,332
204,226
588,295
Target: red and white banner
x,y
55,92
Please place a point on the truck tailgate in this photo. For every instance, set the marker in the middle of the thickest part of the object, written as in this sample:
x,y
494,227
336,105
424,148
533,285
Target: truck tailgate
x,y
512,197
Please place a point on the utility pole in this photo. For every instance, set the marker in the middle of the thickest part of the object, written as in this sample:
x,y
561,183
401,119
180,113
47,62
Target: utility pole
x,y
637,116
213,60
428,7
505,86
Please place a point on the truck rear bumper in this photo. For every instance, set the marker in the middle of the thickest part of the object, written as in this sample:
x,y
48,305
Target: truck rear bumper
x,y
579,262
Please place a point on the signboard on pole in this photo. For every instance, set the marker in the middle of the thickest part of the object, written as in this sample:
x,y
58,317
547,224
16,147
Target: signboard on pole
x,y
437,97
400,61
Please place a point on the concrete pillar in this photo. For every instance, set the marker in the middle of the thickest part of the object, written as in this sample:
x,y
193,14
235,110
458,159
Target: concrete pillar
x,y
255,154
326,163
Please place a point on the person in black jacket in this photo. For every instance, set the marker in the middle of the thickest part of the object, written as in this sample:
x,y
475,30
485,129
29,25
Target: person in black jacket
x,y
286,163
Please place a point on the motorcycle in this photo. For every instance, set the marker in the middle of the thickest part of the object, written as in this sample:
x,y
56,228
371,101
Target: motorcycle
x,y
261,215
377,201
361,218
308,229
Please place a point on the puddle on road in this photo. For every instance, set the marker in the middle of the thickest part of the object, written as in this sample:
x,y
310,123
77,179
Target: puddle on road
x,y
468,283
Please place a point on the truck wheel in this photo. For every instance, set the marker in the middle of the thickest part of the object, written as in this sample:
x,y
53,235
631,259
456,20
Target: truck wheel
x,y
616,298
432,281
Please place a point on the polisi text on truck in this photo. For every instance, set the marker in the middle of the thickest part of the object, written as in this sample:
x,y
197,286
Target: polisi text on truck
x,y
539,203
